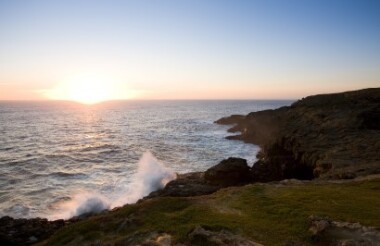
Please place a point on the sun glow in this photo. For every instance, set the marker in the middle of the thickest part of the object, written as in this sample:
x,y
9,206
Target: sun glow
x,y
89,90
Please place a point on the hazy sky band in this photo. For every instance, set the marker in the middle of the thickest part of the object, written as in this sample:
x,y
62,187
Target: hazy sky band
x,y
192,49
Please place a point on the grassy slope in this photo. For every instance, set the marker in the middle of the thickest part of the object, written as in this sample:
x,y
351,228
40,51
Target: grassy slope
x,y
267,213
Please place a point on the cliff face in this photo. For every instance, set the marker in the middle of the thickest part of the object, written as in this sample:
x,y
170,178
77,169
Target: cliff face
x,y
331,136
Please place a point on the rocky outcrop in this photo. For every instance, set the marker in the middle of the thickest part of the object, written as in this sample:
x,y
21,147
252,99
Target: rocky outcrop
x,y
26,231
229,172
231,119
188,184
326,231
203,236
31,231
331,136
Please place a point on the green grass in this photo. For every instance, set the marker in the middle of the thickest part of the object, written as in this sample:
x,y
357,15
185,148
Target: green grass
x,y
270,214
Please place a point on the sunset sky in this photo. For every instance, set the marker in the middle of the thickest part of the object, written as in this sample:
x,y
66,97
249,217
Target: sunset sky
x,y
196,49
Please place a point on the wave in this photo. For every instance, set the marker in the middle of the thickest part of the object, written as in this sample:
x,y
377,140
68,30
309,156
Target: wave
x,y
150,176
65,175
100,147
68,175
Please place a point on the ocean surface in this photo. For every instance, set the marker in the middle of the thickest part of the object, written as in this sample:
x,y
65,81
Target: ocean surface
x,y
62,159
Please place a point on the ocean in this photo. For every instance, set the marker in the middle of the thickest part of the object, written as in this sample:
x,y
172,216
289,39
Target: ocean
x,y
63,159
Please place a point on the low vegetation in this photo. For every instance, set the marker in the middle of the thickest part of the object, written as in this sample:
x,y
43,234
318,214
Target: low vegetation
x,y
270,214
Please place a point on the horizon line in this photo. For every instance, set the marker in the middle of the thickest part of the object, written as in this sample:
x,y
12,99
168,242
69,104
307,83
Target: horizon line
x,y
153,99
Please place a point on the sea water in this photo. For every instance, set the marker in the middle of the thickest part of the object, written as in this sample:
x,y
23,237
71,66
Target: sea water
x,y
62,159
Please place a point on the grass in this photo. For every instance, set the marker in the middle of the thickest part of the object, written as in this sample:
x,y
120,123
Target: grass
x,y
267,213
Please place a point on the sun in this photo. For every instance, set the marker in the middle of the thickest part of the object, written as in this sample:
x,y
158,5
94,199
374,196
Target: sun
x,y
89,90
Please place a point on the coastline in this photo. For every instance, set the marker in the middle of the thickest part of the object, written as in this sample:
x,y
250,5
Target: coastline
x,y
329,141
329,136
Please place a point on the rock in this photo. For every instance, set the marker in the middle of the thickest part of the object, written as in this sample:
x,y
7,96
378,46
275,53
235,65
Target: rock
x,y
330,136
32,239
229,172
321,167
233,119
164,240
202,236
26,231
328,232
189,184
6,240
370,119
318,225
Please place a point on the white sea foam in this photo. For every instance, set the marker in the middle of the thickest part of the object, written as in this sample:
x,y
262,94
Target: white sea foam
x,y
151,175
81,203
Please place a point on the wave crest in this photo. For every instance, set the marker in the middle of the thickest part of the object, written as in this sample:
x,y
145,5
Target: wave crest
x,y
151,175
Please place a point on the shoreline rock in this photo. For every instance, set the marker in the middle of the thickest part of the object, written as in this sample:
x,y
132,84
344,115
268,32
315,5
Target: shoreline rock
x,y
330,136
229,172
188,184
326,231
27,231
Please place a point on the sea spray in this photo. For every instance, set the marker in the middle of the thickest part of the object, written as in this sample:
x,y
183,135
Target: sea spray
x,y
83,202
151,175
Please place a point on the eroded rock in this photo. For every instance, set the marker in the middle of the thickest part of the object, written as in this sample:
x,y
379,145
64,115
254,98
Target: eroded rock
x,y
203,236
229,172
26,231
339,233
331,136
189,184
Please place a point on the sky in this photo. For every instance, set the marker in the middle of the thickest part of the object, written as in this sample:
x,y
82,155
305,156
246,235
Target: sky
x,y
198,49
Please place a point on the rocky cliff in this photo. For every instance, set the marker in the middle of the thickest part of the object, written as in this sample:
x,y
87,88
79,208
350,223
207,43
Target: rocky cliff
x,y
330,136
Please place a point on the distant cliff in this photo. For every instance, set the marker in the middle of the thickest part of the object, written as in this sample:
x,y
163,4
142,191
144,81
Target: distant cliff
x,y
330,136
